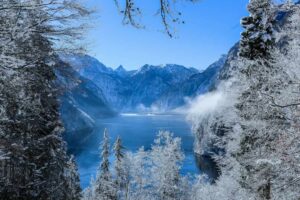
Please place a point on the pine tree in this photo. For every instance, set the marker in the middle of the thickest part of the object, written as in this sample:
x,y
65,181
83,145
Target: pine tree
x,y
89,193
34,159
258,37
31,127
105,188
263,120
121,179
73,182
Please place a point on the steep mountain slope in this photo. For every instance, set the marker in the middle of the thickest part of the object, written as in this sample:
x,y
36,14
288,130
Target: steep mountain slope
x,y
151,87
151,82
196,84
81,103
116,88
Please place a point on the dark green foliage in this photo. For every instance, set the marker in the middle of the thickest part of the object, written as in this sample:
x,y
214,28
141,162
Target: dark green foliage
x,y
257,39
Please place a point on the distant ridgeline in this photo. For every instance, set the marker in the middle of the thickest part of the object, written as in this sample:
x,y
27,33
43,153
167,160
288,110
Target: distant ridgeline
x,y
90,90
149,88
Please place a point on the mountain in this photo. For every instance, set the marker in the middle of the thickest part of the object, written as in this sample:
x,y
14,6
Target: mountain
x,y
151,82
115,88
122,72
161,88
198,83
81,103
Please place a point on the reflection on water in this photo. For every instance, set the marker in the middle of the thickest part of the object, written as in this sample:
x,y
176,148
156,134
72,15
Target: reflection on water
x,y
135,130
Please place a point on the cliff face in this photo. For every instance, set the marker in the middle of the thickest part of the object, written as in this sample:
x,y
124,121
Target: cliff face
x,y
81,103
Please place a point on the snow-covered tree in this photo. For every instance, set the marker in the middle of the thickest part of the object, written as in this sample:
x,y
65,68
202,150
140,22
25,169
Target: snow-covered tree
x,y
73,182
258,38
34,156
166,157
271,146
155,174
105,188
140,178
267,108
226,188
259,113
217,136
89,192
121,170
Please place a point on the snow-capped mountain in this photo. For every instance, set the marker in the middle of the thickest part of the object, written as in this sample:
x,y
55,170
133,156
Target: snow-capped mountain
x,y
115,88
196,84
81,103
161,87
150,83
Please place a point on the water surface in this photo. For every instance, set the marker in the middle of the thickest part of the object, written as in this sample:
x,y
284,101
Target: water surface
x,y
135,130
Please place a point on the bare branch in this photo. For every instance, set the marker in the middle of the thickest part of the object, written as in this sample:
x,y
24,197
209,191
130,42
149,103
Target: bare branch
x,y
167,12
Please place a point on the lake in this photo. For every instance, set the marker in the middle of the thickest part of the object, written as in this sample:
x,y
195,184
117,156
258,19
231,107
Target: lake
x,y
135,130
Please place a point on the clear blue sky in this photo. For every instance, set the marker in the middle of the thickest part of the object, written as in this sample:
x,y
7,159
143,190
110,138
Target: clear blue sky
x,y
212,28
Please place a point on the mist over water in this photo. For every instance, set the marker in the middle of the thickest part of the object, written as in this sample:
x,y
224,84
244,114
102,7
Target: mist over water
x,y
135,130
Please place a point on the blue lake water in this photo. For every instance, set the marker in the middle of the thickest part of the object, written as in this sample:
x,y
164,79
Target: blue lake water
x,y
135,130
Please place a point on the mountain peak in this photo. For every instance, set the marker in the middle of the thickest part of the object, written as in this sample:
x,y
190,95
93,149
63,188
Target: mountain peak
x,y
146,68
180,67
121,71
120,68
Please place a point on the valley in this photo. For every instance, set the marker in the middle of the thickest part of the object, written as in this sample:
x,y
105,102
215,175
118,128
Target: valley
x,y
134,105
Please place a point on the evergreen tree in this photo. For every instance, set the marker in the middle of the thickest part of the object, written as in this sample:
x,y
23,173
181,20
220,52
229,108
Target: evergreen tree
x,y
89,193
259,156
34,159
105,188
258,37
73,182
263,119
31,127
121,179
